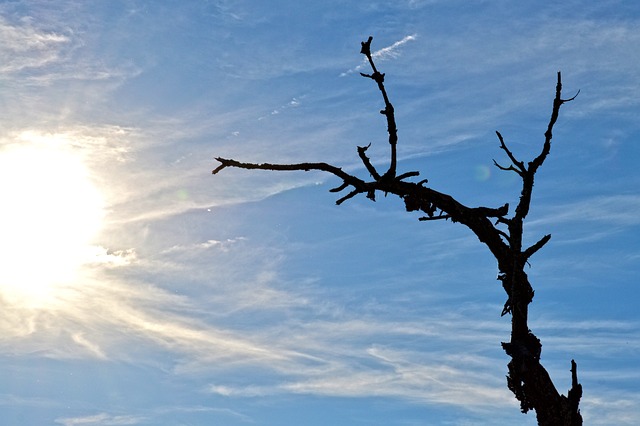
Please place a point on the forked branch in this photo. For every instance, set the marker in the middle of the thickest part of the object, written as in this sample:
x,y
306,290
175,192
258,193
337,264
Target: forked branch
x,y
527,378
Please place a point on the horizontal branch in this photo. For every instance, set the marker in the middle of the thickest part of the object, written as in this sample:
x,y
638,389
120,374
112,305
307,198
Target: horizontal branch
x,y
491,212
439,217
415,196
407,175
337,171
359,186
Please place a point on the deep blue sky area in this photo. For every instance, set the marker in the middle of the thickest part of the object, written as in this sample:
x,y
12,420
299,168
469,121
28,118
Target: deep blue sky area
x,y
137,288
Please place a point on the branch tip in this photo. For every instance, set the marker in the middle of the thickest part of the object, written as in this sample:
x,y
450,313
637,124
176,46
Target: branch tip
x,y
407,175
339,188
366,46
571,98
223,164
537,246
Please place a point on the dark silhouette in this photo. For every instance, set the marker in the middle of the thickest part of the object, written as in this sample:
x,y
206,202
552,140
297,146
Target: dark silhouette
x,y
501,233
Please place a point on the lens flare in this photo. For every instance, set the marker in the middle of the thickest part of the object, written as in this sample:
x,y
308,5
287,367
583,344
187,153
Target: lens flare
x,y
482,173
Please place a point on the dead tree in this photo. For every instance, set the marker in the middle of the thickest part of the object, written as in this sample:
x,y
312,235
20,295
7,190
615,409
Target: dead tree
x,y
495,227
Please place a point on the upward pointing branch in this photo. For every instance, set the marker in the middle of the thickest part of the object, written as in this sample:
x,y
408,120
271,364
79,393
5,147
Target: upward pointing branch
x,y
527,174
388,110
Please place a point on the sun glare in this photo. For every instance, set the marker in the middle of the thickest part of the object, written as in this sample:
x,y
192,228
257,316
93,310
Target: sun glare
x,y
50,210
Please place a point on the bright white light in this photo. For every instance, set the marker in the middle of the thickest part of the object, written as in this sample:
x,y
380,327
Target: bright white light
x,y
49,212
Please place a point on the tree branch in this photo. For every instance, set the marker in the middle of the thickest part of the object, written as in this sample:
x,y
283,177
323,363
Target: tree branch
x,y
359,185
527,379
367,163
226,162
519,165
439,217
388,110
537,246
407,175
528,174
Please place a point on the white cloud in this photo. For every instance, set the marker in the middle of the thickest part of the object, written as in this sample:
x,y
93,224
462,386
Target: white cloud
x,y
341,362
101,419
221,245
611,408
402,374
396,374
389,52
617,210
24,46
103,256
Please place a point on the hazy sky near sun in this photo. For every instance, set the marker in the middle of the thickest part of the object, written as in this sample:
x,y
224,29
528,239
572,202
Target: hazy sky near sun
x,y
138,289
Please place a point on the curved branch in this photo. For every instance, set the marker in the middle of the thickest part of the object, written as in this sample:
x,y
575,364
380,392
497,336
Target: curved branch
x,y
519,165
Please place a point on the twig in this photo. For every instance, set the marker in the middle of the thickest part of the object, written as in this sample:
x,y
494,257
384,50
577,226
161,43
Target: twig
x,y
367,163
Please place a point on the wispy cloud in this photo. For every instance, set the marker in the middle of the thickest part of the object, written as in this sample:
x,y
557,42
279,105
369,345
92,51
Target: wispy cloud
x,y
392,51
24,46
101,419
221,245
149,416
464,376
607,408
404,375
617,210
348,365
116,258
40,57
393,373
202,409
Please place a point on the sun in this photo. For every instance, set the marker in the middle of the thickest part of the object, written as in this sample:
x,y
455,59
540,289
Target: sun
x,y
49,212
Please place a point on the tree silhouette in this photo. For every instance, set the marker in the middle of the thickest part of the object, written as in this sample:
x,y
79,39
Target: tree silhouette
x,y
502,234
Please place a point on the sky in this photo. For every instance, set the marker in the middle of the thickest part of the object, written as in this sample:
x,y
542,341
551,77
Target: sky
x,y
139,289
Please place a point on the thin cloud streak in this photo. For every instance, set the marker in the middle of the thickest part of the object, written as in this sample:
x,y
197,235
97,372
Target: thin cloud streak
x,y
393,373
221,245
384,54
101,419
615,210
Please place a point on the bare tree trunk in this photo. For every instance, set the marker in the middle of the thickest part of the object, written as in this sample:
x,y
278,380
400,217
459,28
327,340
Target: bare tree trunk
x,y
502,234
527,378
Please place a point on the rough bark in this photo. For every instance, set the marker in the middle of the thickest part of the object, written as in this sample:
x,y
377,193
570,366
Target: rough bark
x,y
501,233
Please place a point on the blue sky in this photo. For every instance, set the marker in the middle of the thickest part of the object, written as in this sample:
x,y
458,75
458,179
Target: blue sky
x,y
138,289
